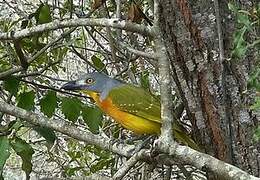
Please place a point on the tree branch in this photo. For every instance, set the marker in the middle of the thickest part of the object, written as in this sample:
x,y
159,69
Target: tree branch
x,y
68,129
206,162
103,22
138,52
165,79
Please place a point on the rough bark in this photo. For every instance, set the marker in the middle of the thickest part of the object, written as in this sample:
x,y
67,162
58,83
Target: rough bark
x,y
211,88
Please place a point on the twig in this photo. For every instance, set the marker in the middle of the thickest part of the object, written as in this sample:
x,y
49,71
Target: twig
x,y
52,88
82,57
138,52
111,40
9,98
39,72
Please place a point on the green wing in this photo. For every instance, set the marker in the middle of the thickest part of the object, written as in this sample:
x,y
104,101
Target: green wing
x,y
137,101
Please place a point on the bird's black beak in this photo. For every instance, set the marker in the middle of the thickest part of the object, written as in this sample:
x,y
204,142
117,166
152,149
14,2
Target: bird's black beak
x,y
71,86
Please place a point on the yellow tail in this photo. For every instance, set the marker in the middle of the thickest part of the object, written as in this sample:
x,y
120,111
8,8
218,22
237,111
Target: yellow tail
x,y
182,136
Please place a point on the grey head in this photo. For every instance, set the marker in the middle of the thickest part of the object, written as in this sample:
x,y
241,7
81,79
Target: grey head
x,y
93,82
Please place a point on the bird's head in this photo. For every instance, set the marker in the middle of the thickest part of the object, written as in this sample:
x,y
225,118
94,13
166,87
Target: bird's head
x,y
92,82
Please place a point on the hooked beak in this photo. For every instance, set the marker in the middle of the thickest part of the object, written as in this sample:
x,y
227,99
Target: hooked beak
x,y
71,86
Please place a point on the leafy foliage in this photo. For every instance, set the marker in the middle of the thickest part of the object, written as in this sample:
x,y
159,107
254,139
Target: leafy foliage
x,y
43,14
246,22
256,136
11,84
26,100
92,117
25,151
98,64
71,108
105,159
49,103
67,7
47,133
254,80
4,152
256,105
145,83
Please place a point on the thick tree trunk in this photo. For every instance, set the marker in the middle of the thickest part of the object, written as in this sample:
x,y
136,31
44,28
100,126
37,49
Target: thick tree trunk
x,y
211,87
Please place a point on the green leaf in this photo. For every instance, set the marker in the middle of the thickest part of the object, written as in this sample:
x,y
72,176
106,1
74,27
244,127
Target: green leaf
x,y
145,80
26,100
98,64
58,54
75,154
43,14
101,164
72,171
48,103
243,19
232,7
47,133
256,105
4,153
71,108
240,45
254,79
67,7
256,136
25,151
11,84
92,117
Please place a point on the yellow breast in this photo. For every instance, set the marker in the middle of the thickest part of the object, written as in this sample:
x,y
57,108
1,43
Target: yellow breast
x,y
129,121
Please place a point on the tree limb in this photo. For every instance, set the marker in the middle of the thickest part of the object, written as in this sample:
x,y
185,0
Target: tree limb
x,y
205,162
103,22
165,79
66,128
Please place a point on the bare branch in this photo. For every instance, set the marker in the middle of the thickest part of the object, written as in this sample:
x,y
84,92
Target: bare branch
x,y
165,79
53,88
138,52
204,161
103,22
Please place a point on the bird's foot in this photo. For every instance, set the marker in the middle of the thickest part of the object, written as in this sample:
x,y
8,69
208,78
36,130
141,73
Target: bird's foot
x,y
146,140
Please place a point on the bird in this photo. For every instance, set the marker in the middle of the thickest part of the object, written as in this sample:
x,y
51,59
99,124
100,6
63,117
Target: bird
x,y
132,107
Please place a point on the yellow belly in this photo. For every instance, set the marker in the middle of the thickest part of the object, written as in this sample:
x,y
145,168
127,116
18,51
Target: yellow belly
x,y
134,123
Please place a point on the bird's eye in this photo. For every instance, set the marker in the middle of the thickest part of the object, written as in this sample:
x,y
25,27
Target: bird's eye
x,y
89,81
